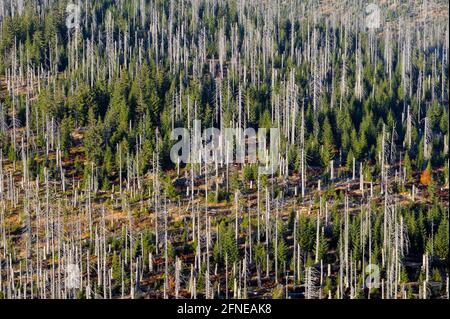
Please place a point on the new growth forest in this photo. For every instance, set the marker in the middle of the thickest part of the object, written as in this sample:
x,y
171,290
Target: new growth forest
x,y
92,206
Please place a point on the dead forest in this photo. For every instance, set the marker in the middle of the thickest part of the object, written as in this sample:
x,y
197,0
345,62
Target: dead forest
x,y
93,207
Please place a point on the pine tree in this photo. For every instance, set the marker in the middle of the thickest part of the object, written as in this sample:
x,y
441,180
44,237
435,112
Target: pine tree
x,y
327,148
441,241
